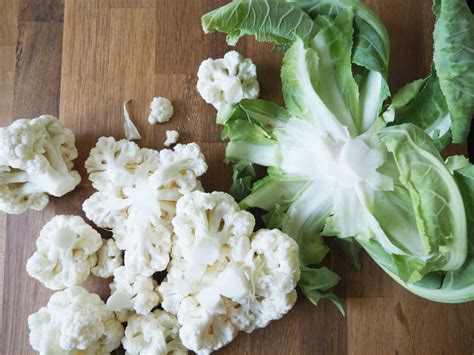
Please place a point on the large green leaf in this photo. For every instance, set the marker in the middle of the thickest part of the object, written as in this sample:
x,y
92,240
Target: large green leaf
x,y
454,61
273,21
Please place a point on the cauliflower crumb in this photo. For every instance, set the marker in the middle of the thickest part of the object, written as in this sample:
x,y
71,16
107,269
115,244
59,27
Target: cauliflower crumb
x,y
109,259
129,128
223,277
156,333
66,251
227,80
74,321
161,110
171,138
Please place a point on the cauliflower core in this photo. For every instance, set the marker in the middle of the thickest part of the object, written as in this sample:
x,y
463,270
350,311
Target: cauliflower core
x,y
131,291
66,251
138,190
223,277
36,160
161,110
156,333
74,321
227,80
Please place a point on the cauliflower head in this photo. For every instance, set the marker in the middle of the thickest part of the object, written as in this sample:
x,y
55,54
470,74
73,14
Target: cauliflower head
x,y
74,322
223,277
132,291
137,194
227,80
109,258
66,251
161,110
36,160
155,334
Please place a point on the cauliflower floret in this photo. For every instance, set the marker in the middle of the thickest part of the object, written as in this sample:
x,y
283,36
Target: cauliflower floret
x,y
35,161
138,190
66,251
109,258
223,277
131,291
161,110
156,333
227,80
171,138
73,322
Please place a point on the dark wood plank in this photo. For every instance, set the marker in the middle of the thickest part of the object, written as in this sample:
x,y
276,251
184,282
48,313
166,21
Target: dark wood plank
x,y
41,10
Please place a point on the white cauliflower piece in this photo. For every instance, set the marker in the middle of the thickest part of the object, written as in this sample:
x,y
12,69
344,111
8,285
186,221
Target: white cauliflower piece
x,y
171,138
132,291
66,251
109,258
223,277
36,160
227,80
156,333
138,190
161,110
74,322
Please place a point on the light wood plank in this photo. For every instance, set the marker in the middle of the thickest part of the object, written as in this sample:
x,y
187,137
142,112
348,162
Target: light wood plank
x,y
8,21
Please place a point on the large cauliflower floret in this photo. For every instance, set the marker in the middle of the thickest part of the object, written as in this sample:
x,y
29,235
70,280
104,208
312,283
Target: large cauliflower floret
x,y
154,334
223,277
132,291
138,190
66,251
73,322
35,161
227,80
109,258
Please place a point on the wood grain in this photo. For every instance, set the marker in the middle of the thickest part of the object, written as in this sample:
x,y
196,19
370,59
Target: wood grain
x,y
111,50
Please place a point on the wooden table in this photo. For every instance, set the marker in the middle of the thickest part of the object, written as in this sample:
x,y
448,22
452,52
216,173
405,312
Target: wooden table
x,y
82,58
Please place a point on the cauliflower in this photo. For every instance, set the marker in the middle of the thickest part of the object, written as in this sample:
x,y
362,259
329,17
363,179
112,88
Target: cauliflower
x,y
138,190
161,110
227,80
154,334
74,322
66,251
109,258
131,291
224,278
35,161
171,138
129,128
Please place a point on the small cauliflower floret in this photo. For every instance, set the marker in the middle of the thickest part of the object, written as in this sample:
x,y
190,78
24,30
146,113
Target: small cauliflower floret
x,y
131,291
156,333
109,258
66,251
74,322
36,160
223,277
138,190
171,138
161,110
227,80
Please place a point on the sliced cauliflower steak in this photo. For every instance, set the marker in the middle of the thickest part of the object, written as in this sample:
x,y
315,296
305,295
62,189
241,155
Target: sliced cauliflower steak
x,y
74,322
138,190
131,291
36,160
153,334
227,80
66,251
223,277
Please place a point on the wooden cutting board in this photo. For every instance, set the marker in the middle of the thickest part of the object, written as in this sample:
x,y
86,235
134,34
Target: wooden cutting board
x,y
81,59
